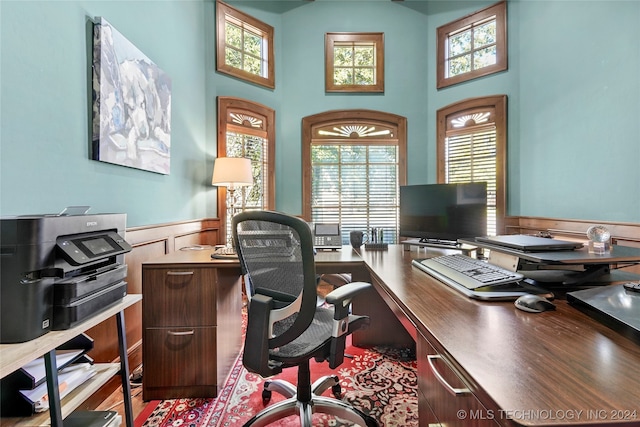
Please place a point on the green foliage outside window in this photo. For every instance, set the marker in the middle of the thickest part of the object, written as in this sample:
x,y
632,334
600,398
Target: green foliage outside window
x,y
251,147
472,49
354,65
243,50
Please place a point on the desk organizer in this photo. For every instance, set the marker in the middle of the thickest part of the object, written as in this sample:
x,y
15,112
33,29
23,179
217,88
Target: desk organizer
x,y
376,246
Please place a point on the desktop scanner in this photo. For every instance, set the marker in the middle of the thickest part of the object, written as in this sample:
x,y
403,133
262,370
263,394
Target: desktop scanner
x,y
534,303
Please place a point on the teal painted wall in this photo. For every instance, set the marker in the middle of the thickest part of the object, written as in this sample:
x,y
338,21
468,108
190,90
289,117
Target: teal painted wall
x,y
576,119
46,53
572,84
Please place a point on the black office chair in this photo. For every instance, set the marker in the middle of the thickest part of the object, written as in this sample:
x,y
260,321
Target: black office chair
x,y
285,327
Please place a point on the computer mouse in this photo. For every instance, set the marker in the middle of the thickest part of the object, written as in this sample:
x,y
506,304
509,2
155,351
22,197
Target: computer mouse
x,y
534,303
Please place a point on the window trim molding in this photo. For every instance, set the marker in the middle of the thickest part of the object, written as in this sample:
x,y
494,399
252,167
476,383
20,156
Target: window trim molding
x,y
499,104
223,9
500,11
309,123
225,103
330,41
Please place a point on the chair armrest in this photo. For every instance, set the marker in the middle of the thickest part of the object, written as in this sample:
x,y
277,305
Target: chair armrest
x,y
256,360
341,297
344,324
346,292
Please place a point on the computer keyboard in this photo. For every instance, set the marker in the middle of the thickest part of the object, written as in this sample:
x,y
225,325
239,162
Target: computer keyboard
x,y
466,271
223,252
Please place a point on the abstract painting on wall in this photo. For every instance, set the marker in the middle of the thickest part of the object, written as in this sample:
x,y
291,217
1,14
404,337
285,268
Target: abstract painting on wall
x,y
131,104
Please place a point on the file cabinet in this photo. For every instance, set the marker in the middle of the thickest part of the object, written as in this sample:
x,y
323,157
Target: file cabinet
x,y
191,318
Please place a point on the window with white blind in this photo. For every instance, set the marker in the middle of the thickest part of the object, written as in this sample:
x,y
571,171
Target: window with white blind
x,y
247,129
353,170
471,148
356,186
471,157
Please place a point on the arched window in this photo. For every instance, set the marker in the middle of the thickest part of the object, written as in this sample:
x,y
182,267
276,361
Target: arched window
x,y
354,162
472,141
247,129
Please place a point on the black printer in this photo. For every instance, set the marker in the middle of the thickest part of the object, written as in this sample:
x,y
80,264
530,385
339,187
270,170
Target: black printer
x,y
57,270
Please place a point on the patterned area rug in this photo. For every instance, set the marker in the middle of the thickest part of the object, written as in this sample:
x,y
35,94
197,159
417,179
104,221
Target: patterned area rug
x,y
380,382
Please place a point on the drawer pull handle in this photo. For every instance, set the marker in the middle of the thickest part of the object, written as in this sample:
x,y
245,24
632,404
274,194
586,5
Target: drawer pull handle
x,y
179,273
181,333
454,391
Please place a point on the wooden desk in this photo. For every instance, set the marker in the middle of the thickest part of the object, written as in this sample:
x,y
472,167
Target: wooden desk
x,y
506,367
191,319
554,368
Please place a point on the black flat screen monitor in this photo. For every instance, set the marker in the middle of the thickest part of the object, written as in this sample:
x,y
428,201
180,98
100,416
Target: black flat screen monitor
x,y
443,212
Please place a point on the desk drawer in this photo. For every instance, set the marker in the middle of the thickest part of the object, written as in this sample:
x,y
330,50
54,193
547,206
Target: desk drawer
x,y
451,400
179,357
426,416
179,297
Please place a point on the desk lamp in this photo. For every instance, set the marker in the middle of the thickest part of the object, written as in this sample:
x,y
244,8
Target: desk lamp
x,y
231,172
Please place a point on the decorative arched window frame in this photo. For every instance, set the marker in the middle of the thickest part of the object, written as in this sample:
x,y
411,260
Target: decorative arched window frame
x,y
366,200
463,122
243,122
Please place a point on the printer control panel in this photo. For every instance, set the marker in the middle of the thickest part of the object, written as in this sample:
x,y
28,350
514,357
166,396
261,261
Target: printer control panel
x,y
82,249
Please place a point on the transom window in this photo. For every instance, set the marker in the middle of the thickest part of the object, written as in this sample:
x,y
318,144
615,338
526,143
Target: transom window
x,y
354,167
244,46
471,148
473,46
246,129
354,62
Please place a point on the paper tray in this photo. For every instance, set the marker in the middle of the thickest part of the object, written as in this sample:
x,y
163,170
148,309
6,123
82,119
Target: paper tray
x,y
69,290
67,316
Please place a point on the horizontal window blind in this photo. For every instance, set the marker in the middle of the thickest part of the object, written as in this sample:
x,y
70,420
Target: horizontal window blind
x,y
255,148
471,157
356,186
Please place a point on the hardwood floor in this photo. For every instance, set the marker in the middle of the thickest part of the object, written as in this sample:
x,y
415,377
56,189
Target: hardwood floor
x,y
115,402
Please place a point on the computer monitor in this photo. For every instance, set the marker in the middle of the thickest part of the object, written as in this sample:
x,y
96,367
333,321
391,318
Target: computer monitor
x,y
443,213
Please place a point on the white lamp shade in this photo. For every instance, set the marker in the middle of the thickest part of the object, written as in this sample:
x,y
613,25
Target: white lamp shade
x,y
232,172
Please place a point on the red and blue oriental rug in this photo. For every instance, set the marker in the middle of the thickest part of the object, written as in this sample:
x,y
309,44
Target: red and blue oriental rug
x,y
381,382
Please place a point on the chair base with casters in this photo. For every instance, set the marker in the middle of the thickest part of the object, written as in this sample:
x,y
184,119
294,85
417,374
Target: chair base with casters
x,y
305,403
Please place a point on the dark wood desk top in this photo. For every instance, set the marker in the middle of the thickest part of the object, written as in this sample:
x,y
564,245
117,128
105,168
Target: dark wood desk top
x,y
548,366
344,257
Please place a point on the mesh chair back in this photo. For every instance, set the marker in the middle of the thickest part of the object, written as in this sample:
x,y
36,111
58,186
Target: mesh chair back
x,y
276,254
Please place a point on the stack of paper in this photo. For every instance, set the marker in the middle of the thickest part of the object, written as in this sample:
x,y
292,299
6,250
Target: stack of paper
x,y
36,370
68,379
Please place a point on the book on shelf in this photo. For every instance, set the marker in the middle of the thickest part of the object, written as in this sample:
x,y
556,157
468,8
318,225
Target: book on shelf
x,y
93,419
